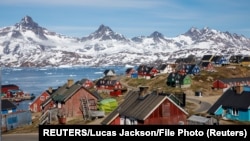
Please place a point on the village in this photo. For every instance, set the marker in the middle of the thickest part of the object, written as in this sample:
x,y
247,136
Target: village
x,y
147,95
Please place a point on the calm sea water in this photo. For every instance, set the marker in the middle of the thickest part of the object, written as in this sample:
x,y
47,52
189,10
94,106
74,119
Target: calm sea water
x,y
37,80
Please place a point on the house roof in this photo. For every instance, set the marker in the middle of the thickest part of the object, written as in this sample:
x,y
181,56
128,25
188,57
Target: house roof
x,y
246,59
138,107
9,85
200,119
205,64
162,66
106,82
63,93
84,80
128,70
6,104
233,80
206,57
109,70
216,58
231,99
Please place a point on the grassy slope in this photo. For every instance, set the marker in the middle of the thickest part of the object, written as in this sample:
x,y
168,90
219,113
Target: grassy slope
x,y
202,82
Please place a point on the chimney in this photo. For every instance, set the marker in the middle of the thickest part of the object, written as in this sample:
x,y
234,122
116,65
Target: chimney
x,y
50,90
158,91
70,82
143,91
239,89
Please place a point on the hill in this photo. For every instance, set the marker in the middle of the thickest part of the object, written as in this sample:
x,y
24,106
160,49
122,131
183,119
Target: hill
x,y
201,82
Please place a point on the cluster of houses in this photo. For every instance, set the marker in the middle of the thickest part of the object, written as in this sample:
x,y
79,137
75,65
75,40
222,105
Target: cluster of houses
x,y
81,98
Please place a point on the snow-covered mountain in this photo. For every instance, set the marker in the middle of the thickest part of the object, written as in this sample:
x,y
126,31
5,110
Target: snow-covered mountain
x,y
27,44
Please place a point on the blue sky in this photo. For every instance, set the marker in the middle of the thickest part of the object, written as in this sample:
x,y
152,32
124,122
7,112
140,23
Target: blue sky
x,y
79,18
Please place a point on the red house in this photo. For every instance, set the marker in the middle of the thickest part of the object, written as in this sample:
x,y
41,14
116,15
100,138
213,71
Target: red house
x,y
86,83
67,99
114,87
147,72
11,90
143,108
230,82
35,106
207,66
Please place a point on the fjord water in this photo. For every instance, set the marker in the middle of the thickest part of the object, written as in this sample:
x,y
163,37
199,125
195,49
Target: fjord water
x,y
37,80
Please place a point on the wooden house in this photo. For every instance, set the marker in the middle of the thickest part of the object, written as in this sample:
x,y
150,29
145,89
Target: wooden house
x,y
207,66
233,104
109,73
235,59
67,99
177,80
5,89
35,106
207,58
145,108
245,61
113,87
219,60
191,69
13,118
86,83
180,69
8,107
191,59
166,68
129,72
147,72
230,82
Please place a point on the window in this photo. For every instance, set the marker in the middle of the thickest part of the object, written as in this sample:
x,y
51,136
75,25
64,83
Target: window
x,y
42,98
235,112
166,110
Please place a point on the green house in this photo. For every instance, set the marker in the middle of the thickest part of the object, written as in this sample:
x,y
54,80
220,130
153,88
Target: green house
x,y
175,79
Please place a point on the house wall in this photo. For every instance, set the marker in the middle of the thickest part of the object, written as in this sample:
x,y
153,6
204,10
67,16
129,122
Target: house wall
x,y
219,84
115,93
48,106
174,117
73,104
35,106
244,115
116,121
14,120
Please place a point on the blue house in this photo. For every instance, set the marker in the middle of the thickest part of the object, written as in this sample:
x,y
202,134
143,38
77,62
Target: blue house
x,y
234,104
219,60
13,118
8,107
193,69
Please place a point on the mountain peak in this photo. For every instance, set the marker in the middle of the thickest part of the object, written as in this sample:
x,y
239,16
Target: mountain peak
x,y
156,34
105,33
103,29
27,22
